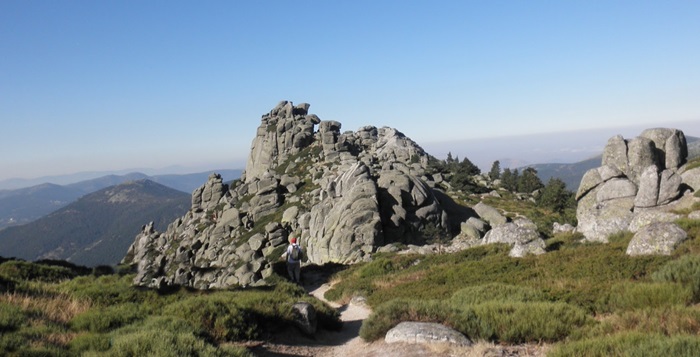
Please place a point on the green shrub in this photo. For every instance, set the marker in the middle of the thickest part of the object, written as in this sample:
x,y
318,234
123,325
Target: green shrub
x,y
108,318
219,315
685,271
11,317
21,270
163,343
668,321
519,322
11,341
89,342
107,290
495,292
390,314
635,295
630,345
511,322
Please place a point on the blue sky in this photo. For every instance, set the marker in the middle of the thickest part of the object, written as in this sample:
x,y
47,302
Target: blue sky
x,y
110,85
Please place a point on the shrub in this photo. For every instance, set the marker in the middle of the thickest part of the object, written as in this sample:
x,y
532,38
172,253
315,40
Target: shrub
x,y
635,295
519,322
685,271
512,322
163,343
668,321
390,314
108,318
630,345
21,270
90,342
218,315
11,317
495,292
106,290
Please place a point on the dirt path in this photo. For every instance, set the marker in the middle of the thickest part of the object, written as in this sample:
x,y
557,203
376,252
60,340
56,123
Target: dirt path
x,y
343,343
347,341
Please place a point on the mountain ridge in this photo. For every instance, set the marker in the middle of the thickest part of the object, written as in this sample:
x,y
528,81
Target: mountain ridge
x,y
97,228
24,205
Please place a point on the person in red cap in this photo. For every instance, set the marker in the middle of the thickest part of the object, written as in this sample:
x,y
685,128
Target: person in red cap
x,y
294,254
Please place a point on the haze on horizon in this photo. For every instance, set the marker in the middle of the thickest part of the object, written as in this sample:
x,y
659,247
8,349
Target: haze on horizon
x,y
93,86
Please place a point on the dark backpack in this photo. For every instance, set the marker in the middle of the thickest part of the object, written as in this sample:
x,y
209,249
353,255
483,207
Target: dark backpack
x,y
296,252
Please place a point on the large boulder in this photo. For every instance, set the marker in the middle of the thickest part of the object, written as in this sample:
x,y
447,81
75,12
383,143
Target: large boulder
x,y
635,176
521,234
659,238
425,332
489,214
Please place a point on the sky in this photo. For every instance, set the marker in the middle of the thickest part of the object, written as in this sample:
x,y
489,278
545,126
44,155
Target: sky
x,y
113,85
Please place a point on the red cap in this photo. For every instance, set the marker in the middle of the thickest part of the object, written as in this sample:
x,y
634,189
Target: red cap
x,y
293,240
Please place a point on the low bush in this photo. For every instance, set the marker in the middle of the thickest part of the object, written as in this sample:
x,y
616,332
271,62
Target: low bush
x,y
108,318
520,322
510,322
219,315
11,317
630,345
96,342
685,271
669,321
495,292
635,295
390,314
164,343
107,290
21,270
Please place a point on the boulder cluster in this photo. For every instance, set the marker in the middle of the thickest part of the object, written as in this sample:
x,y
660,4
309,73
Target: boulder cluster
x,y
348,195
637,187
343,194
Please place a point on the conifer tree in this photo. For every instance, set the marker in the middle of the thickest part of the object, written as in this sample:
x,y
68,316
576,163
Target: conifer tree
x,y
495,172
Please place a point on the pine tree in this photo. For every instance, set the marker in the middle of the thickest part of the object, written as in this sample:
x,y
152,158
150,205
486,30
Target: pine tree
x,y
529,181
555,196
495,172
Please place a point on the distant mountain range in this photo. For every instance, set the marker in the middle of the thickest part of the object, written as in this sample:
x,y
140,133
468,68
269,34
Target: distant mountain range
x,y
572,174
24,205
98,228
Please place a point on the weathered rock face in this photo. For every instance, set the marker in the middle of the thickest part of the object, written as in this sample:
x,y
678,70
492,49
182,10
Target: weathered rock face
x,y
521,234
638,178
659,238
344,195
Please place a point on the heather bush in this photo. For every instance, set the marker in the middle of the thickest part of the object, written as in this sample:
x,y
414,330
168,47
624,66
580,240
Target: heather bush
x,y
685,271
502,321
495,292
630,345
103,319
635,295
11,317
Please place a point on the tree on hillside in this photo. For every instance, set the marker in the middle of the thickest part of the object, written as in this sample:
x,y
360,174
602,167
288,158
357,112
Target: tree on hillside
x,y
555,196
495,172
509,179
529,181
468,167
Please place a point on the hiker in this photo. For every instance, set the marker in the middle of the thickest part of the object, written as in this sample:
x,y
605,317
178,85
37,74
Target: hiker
x,y
294,254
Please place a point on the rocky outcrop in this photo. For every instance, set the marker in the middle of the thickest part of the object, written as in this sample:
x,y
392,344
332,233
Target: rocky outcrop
x,y
637,175
521,234
344,195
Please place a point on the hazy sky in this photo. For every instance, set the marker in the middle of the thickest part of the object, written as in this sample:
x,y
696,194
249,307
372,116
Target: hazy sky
x,y
107,85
